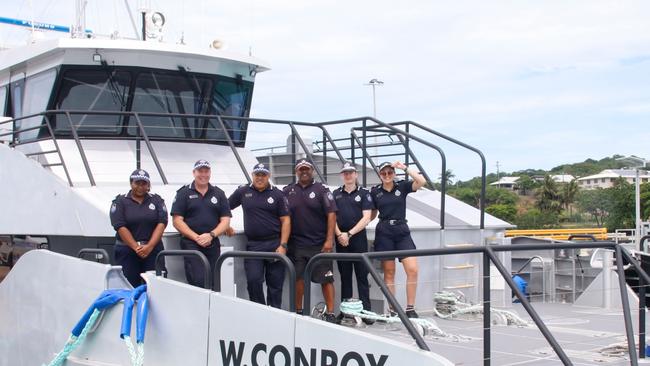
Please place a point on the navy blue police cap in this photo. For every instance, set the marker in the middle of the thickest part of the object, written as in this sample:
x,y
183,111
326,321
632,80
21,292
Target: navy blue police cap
x,y
261,168
385,164
348,167
201,164
139,174
303,162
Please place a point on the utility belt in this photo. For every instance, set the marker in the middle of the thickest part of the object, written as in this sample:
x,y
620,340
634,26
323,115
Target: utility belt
x,y
394,222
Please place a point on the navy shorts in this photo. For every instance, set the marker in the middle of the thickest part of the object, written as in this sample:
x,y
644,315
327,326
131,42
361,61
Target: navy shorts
x,y
393,237
321,273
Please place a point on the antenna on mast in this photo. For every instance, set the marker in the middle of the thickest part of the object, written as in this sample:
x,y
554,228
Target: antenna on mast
x,y
79,27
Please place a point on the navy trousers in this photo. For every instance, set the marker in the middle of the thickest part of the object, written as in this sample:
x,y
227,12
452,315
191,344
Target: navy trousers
x,y
358,244
132,264
259,270
194,270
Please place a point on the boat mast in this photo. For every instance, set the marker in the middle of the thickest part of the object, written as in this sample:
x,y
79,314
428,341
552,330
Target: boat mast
x,y
79,27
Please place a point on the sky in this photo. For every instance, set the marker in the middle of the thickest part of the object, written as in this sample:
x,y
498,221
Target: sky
x,y
532,84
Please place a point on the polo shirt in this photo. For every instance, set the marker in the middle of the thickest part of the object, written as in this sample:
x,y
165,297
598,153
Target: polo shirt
x,y
309,207
201,213
139,218
351,206
262,210
392,205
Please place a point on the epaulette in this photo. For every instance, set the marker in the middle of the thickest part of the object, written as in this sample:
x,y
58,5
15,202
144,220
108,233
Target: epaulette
x,y
118,197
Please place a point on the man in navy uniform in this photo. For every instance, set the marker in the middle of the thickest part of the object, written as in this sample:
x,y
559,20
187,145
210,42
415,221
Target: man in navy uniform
x,y
313,218
201,213
267,226
355,206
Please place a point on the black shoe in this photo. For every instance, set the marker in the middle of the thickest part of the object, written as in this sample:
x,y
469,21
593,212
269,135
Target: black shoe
x,y
412,314
340,317
331,318
368,321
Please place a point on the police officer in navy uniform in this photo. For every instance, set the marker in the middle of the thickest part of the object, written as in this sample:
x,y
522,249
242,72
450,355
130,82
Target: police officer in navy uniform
x,y
313,218
392,231
267,226
139,218
200,214
355,206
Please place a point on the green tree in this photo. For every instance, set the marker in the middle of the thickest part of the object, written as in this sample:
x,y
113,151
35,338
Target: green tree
x,y
448,177
548,196
568,192
596,203
536,219
621,206
505,212
526,184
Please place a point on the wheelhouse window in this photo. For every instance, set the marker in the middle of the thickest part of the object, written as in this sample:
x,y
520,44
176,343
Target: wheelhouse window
x,y
31,96
176,95
160,92
92,90
230,98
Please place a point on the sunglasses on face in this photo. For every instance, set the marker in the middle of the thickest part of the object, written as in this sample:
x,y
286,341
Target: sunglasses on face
x,y
387,173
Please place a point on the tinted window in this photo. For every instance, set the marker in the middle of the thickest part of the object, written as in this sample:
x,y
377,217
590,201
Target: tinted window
x,y
171,93
95,90
230,98
3,100
38,89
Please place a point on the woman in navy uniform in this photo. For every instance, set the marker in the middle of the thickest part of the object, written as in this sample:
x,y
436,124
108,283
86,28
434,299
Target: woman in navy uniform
x,y
200,213
392,232
139,218
355,207
267,226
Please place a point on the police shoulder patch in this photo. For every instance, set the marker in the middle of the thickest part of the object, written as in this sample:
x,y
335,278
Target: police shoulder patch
x,y
330,196
113,207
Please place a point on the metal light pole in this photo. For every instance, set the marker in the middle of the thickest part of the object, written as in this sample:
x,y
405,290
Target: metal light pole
x,y
639,163
374,83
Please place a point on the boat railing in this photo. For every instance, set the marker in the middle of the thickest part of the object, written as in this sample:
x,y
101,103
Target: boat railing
x,y
364,126
489,257
160,264
291,271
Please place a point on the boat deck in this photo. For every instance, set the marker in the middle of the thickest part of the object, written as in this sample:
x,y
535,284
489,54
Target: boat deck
x,y
586,334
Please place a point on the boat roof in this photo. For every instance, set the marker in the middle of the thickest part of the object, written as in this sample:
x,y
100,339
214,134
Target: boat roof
x,y
41,49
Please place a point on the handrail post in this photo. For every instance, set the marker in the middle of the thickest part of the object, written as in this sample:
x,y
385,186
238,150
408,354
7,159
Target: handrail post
x,y
207,278
529,309
216,283
99,253
324,155
141,131
625,303
293,155
309,155
234,150
406,145
487,320
364,154
73,129
389,295
58,151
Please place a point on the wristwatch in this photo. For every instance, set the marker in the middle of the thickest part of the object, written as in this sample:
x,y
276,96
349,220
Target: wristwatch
x,y
284,245
212,234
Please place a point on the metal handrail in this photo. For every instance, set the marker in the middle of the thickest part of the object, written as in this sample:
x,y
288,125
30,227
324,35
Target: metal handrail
x,y
100,254
468,147
581,236
216,284
207,278
443,159
489,256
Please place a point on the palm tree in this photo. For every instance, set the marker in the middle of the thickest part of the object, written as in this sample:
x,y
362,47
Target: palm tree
x,y
569,193
449,175
548,197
